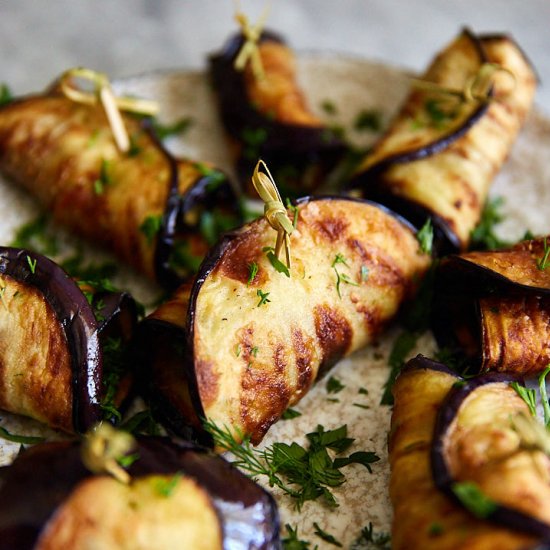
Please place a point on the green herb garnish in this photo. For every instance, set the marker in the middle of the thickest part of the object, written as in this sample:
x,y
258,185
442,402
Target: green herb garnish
x,y
544,395
289,414
528,395
544,262
471,496
329,107
104,178
370,120
425,237
23,439
164,131
334,385
127,460
5,94
165,487
32,264
292,542
301,473
370,539
252,272
263,297
341,277
483,236
150,226
327,537
274,261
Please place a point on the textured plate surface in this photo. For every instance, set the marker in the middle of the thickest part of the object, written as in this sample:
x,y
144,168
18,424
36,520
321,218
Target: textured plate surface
x,y
352,85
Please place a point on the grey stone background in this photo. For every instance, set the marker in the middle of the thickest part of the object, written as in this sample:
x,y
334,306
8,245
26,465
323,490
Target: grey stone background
x,y
41,38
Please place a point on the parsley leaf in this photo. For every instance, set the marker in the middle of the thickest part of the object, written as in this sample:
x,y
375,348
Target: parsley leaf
x,y
263,297
252,272
334,385
472,498
289,414
425,236
5,94
370,539
370,120
544,262
150,227
327,537
292,542
275,262
483,236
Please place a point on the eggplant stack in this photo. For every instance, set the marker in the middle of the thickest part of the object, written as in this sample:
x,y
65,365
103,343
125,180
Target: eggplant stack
x,y
145,205
266,116
62,346
492,309
469,462
250,336
453,133
177,496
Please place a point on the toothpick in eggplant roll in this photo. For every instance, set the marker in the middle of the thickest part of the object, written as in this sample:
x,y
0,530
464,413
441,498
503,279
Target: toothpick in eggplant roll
x,y
451,137
249,337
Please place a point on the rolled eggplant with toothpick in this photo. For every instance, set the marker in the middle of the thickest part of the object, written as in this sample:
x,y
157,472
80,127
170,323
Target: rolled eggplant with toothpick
x,y
265,113
492,309
147,492
476,456
452,135
63,344
104,174
258,326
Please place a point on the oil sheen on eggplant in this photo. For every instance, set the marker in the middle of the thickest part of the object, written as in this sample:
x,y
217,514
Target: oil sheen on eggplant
x,y
53,343
480,446
268,118
246,341
440,154
493,308
145,205
210,505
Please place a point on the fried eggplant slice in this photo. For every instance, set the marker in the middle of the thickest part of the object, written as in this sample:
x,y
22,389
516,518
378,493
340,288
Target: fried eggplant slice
x,y
179,496
493,308
441,153
269,118
152,210
247,340
62,347
481,445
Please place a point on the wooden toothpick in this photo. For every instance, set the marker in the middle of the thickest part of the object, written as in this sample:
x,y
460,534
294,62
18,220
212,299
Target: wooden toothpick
x,y
103,93
274,209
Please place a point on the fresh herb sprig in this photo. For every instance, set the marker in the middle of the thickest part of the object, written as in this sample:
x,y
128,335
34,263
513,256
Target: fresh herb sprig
x,y
544,262
371,539
483,236
529,395
301,473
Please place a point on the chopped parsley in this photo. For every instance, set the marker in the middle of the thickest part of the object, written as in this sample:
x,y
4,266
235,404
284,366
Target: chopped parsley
x,y
151,226
164,131
289,414
23,439
301,473
327,537
368,120
368,538
473,499
5,94
127,460
36,235
274,261
165,487
483,236
341,277
334,385
528,395
425,237
544,262
263,297
104,177
292,542
32,264
252,272
329,107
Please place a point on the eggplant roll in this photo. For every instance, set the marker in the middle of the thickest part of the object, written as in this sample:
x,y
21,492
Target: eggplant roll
x,y
179,496
154,211
269,118
441,152
247,340
453,438
62,347
493,308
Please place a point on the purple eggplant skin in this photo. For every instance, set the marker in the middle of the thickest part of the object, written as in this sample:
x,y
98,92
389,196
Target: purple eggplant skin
x,y
43,476
504,276
385,176
78,321
442,477
285,145
85,335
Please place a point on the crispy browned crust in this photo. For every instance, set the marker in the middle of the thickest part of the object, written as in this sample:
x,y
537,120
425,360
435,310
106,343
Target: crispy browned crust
x,y
444,170
246,361
65,155
494,307
424,517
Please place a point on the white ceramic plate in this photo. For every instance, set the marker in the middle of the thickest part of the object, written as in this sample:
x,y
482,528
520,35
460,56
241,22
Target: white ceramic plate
x,y
351,85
